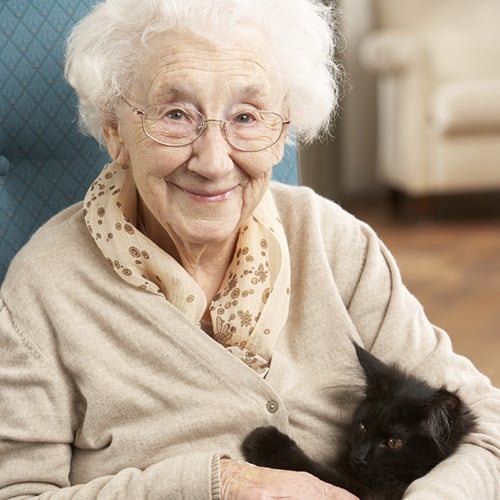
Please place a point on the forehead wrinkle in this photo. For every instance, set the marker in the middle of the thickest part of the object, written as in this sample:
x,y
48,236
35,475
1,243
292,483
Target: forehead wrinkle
x,y
178,92
181,68
193,57
197,50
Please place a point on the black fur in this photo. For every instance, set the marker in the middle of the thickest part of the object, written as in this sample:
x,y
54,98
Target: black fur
x,y
401,429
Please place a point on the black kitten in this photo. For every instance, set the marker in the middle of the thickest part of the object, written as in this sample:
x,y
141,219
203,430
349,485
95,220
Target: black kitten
x,y
401,429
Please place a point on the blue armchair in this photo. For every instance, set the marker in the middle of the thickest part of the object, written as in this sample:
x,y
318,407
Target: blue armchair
x,y
45,163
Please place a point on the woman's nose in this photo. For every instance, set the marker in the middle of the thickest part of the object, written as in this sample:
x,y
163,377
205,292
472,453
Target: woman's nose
x,y
211,156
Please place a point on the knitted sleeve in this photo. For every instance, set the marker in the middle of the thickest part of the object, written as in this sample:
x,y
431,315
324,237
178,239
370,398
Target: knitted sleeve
x,y
40,412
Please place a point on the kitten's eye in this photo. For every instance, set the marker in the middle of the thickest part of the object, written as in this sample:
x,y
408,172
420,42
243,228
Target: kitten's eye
x,y
395,443
362,427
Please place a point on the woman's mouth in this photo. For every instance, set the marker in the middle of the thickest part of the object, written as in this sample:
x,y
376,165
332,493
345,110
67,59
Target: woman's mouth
x,y
209,196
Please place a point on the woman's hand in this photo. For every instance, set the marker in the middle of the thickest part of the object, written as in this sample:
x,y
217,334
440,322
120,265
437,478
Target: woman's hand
x,y
241,481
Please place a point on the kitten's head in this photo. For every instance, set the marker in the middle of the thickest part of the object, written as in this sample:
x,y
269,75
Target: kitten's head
x,y
403,427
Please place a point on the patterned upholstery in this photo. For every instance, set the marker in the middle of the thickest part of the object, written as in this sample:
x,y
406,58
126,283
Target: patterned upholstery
x,y
45,163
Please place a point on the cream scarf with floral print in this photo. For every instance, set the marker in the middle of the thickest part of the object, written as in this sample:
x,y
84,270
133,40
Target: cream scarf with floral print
x,y
250,309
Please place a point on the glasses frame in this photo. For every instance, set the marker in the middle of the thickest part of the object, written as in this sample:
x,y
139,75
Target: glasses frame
x,y
223,124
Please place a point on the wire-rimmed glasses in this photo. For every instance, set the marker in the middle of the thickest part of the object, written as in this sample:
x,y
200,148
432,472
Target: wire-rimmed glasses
x,y
248,129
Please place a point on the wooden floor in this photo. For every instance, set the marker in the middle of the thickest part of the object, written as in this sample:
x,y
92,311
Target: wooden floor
x,y
453,266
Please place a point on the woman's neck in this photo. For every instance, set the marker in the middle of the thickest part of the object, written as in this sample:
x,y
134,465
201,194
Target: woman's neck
x,y
206,264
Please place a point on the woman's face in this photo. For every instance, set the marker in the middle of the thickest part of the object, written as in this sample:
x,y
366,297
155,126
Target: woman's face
x,y
200,193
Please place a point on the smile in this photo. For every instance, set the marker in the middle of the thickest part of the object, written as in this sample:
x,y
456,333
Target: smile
x,y
210,196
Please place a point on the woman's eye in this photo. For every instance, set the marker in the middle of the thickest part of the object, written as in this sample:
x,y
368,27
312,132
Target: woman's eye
x,y
395,443
176,114
244,118
362,427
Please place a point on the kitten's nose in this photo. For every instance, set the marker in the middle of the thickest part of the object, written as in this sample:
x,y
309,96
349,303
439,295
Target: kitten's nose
x,y
359,455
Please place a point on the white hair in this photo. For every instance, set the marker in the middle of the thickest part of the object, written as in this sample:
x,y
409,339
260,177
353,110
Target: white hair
x,y
105,48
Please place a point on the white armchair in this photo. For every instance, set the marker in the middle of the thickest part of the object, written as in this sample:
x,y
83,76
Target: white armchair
x,y
438,69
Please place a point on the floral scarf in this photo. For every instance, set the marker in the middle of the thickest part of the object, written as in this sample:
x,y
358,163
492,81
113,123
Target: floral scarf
x,y
251,307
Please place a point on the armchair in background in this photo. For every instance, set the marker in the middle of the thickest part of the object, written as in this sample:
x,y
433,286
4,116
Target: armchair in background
x,y
438,89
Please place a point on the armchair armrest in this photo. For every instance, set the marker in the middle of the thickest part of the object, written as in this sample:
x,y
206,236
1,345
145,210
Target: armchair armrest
x,y
390,51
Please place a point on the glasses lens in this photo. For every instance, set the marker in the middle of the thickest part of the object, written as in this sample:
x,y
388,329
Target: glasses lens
x,y
253,130
172,126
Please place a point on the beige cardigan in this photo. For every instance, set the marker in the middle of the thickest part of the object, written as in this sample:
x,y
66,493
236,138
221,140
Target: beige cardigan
x,y
107,391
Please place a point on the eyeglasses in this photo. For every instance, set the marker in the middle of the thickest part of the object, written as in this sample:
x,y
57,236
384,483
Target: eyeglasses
x,y
248,130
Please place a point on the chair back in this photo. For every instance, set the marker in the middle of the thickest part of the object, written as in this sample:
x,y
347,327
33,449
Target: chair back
x,y
436,15
46,164
461,38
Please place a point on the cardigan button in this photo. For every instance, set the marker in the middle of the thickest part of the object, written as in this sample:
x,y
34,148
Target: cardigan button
x,y
272,406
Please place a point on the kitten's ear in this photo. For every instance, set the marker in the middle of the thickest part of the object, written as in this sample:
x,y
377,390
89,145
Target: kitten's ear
x,y
445,409
376,372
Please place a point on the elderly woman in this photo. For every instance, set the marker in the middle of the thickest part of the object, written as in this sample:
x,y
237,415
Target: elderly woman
x,y
189,300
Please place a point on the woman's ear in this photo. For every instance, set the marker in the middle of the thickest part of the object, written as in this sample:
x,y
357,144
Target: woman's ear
x,y
115,144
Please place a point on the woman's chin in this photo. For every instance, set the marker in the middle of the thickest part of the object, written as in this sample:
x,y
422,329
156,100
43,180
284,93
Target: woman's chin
x,y
212,233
